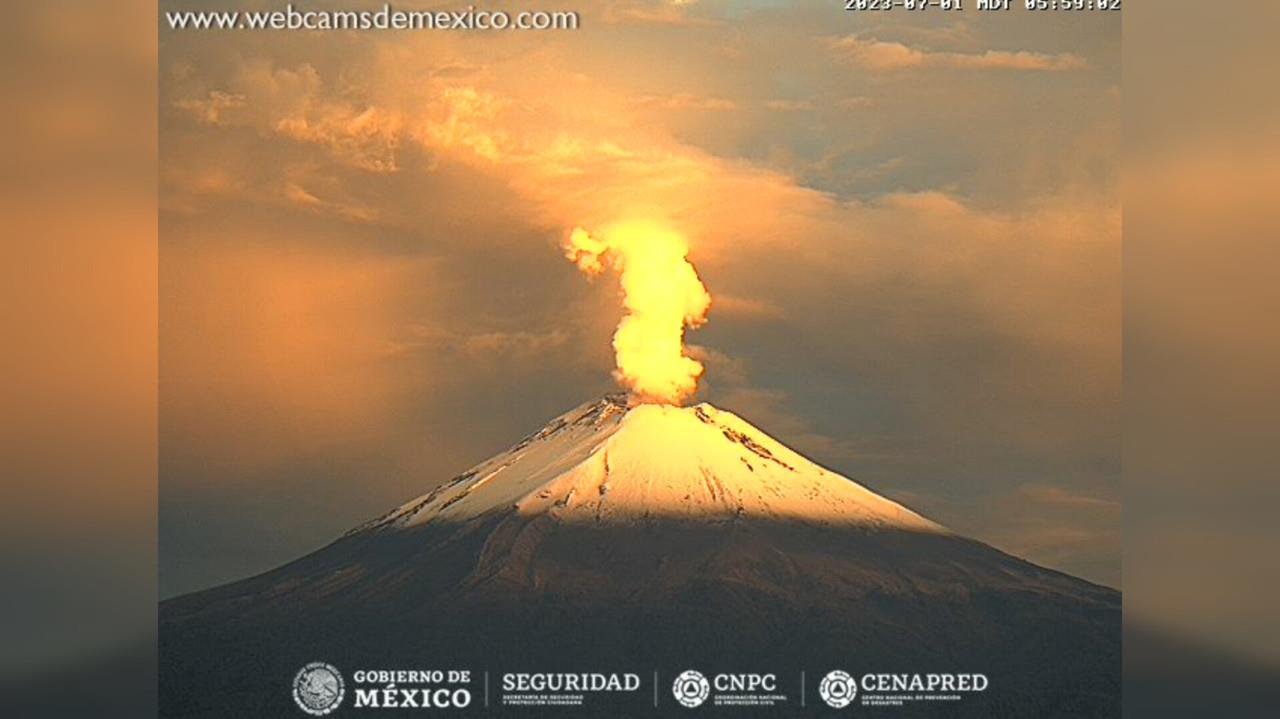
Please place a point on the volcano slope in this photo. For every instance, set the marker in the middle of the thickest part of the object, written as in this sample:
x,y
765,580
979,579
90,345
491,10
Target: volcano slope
x,y
647,538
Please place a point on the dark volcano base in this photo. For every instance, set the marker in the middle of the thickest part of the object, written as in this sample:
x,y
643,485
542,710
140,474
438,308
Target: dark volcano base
x,y
512,594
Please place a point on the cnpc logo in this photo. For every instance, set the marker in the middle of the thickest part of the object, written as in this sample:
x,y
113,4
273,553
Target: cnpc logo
x,y
692,688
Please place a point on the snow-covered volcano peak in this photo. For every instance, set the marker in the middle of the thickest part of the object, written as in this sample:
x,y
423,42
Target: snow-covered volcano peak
x,y
608,462
636,534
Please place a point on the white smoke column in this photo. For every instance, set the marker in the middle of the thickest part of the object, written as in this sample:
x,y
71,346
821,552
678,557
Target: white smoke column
x,y
662,296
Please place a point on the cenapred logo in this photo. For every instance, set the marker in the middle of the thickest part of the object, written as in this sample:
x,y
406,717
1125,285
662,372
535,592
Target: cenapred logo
x,y
318,688
838,689
691,688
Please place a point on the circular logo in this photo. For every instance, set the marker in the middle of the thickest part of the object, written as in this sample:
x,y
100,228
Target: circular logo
x,y
837,689
691,688
318,688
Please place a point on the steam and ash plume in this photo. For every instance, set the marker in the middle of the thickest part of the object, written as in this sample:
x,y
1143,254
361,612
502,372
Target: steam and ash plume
x,y
662,295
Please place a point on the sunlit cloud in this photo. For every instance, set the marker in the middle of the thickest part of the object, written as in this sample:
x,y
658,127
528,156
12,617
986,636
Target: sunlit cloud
x,y
789,105
685,101
876,54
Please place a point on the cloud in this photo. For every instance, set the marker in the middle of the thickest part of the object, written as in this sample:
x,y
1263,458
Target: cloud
x,y
293,102
367,138
685,101
210,109
789,105
874,54
851,103
1060,497
652,12
514,345
301,196
349,210
752,308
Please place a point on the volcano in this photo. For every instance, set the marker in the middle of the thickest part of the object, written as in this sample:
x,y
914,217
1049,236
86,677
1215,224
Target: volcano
x,y
652,538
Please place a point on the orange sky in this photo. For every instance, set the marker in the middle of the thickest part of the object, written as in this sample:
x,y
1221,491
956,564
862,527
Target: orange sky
x,y
909,225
